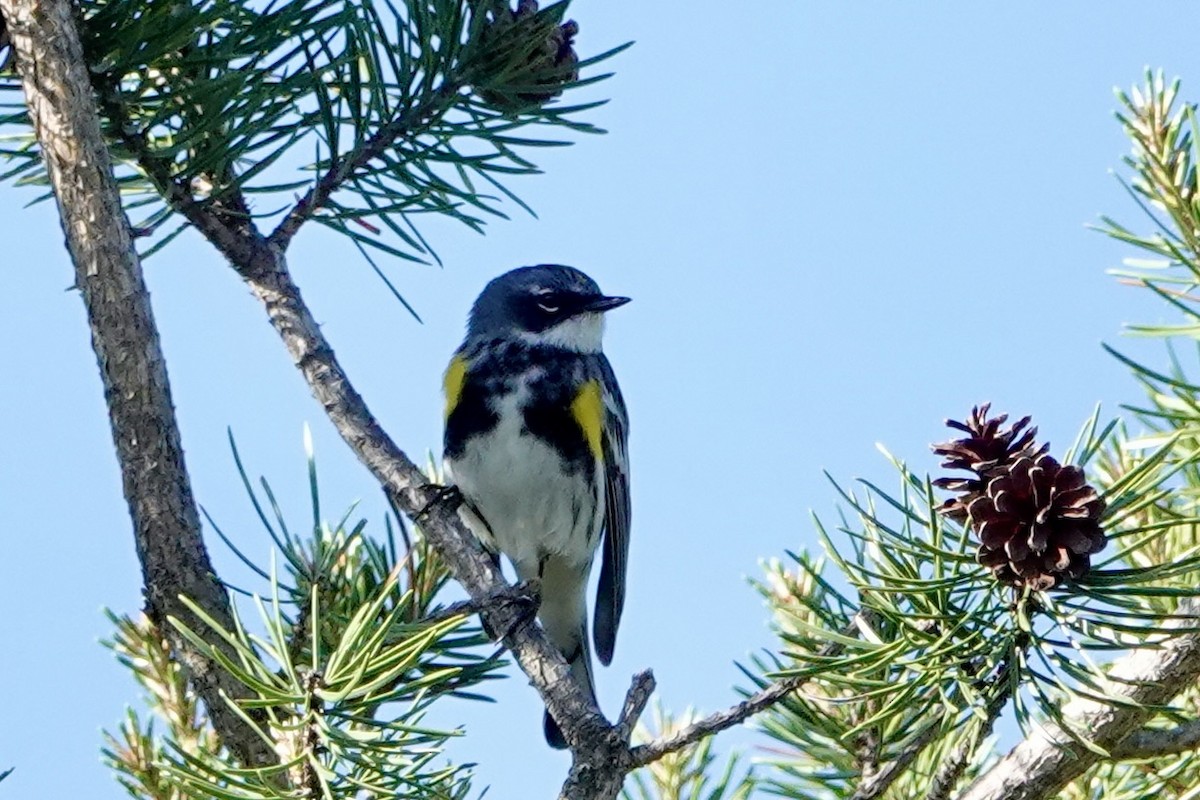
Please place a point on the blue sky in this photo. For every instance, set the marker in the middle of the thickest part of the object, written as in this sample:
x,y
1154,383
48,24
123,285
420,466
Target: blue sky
x,y
840,224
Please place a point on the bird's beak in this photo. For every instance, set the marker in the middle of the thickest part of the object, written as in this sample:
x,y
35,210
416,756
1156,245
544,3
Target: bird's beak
x,y
603,303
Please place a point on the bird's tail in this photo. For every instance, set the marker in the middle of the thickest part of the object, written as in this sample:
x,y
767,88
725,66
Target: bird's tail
x,y
580,662
563,613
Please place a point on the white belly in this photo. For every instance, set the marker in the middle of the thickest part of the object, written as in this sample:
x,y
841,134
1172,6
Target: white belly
x,y
532,506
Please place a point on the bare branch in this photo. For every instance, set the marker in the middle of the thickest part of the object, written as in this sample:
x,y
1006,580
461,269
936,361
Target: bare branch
x,y
635,702
125,340
757,702
1050,758
715,723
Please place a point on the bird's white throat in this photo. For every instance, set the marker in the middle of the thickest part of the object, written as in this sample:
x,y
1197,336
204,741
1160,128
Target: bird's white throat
x,y
582,334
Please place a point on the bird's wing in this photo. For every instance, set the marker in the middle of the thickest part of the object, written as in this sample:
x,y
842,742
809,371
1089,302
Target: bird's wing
x,y
610,596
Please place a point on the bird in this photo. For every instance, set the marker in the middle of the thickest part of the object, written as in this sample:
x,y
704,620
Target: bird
x,y
536,443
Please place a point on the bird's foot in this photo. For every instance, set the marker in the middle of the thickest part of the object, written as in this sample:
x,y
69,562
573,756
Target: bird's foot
x,y
525,596
438,495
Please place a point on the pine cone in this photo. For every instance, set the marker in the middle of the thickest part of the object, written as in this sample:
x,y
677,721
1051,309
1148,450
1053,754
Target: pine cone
x,y
544,68
1038,523
986,451
1037,520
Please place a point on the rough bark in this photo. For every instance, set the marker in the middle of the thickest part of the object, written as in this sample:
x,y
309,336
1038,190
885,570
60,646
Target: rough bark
x,y
109,277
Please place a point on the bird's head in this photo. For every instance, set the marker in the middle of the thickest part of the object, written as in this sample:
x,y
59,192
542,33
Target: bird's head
x,y
548,304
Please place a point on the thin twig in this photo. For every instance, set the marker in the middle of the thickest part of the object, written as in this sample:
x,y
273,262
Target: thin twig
x,y
715,723
735,715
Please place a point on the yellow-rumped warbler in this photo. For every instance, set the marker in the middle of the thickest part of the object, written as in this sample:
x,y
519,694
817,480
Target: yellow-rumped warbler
x,y
536,443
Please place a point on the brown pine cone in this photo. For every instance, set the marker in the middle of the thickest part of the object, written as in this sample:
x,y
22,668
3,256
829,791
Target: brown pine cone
x,y
1038,522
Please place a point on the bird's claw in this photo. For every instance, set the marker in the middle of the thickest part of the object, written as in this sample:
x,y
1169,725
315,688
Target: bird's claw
x,y
526,596
441,495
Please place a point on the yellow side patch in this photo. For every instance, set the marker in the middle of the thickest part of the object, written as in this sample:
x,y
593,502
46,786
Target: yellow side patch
x,y
453,381
588,410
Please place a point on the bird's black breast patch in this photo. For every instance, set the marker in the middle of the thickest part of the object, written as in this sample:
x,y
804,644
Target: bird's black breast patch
x,y
547,412
553,423
496,371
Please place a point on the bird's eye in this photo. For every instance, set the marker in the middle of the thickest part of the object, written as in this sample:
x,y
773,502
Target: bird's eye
x,y
547,301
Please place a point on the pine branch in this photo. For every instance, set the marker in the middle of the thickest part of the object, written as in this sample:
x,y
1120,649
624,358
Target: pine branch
x,y
125,339
1051,757
345,168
